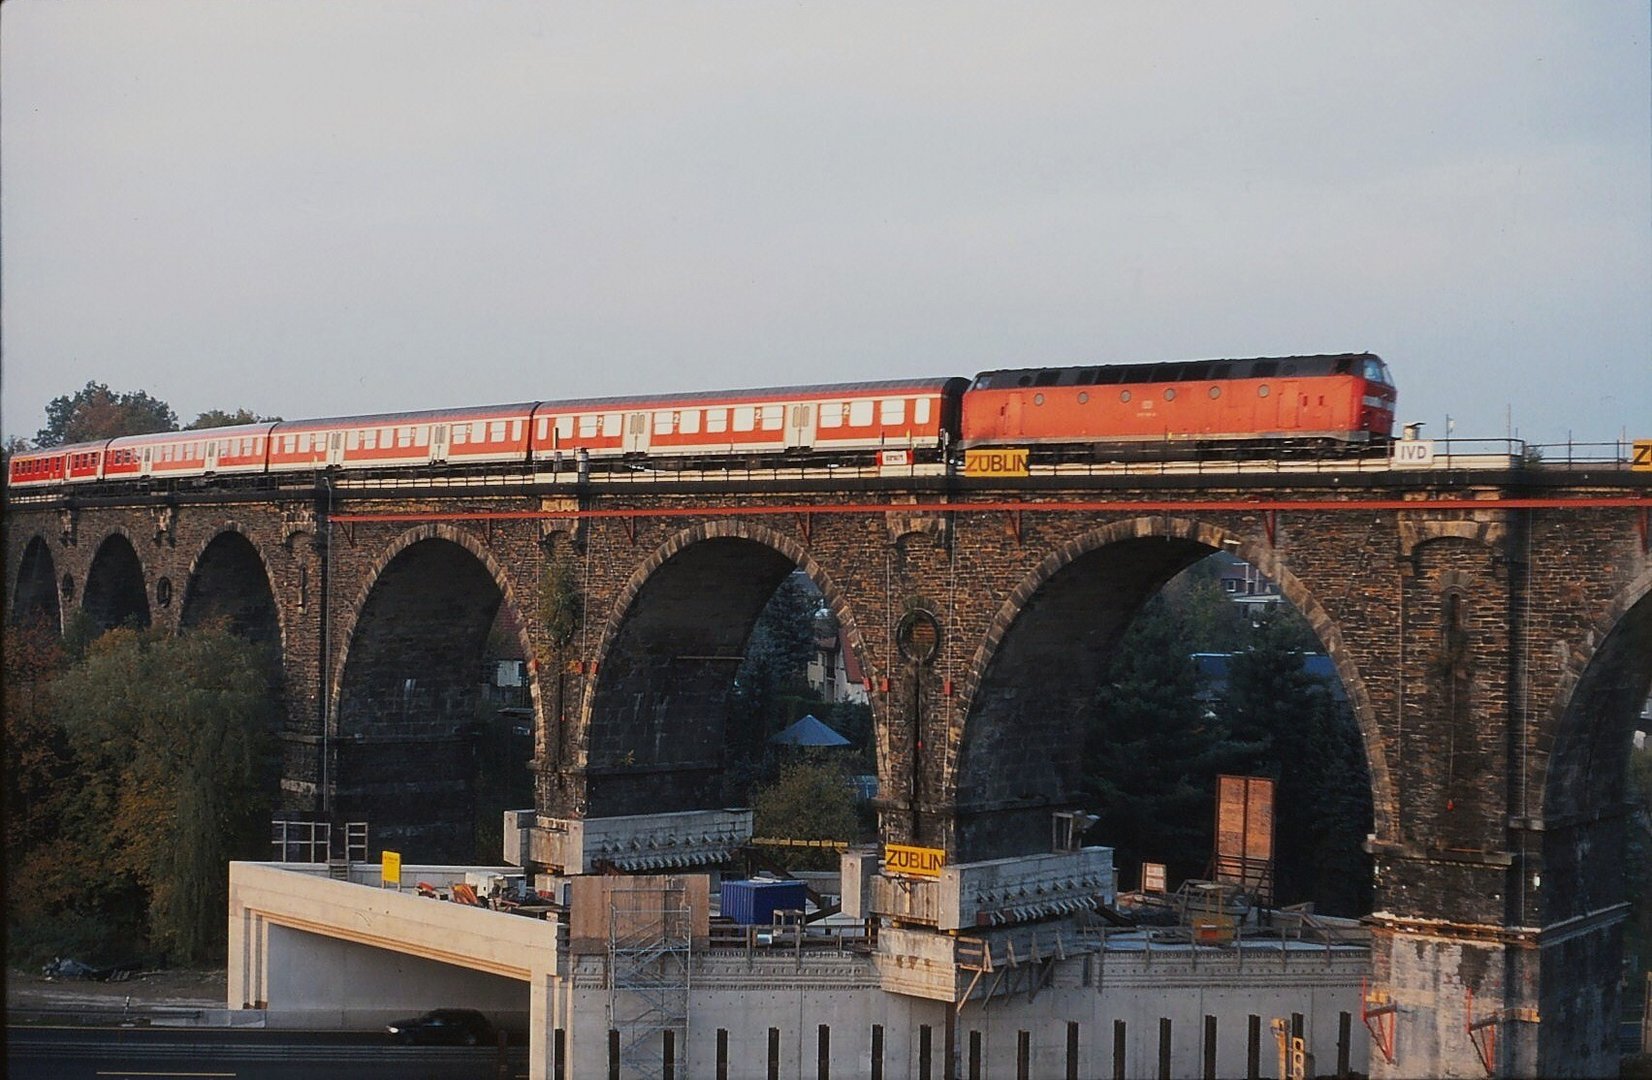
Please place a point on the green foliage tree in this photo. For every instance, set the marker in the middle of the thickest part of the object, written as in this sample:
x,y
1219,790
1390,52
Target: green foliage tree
x,y
216,418
96,412
1286,725
770,686
809,800
171,736
1151,753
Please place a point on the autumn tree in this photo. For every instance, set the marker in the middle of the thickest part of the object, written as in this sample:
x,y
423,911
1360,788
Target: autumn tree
x,y
172,738
811,799
96,412
216,418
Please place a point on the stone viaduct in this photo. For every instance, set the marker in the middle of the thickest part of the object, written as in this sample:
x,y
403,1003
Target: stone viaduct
x,y
1492,628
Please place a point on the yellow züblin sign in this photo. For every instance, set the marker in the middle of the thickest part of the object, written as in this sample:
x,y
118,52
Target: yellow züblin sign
x,y
1002,462
1641,459
390,869
913,861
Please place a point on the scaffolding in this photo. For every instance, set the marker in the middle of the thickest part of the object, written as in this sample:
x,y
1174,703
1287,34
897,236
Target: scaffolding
x,y
650,951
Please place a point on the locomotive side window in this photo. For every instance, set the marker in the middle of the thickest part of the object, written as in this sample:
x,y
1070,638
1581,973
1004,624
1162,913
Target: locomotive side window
x,y
745,418
773,417
831,414
716,420
893,411
860,413
688,421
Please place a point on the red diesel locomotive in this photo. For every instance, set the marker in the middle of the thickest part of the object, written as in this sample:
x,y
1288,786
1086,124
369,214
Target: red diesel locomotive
x,y
1268,405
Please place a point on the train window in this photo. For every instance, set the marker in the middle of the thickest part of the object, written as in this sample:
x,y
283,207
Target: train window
x,y
664,422
404,437
1047,378
611,424
892,411
1083,398
1375,371
773,417
542,429
860,414
1262,391
370,439
688,421
588,426
1124,395
459,434
1038,399
1170,393
920,411
745,418
1344,365
496,431
387,438
716,420
352,440
516,431
421,435
831,414
1264,369
1215,392
564,427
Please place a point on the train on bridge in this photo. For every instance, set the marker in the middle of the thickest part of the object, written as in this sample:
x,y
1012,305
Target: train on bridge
x,y
1273,405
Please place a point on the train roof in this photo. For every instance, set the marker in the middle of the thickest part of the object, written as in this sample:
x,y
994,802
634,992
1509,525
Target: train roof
x,y
1259,367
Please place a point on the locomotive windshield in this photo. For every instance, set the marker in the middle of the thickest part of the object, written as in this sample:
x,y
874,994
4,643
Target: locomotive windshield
x,y
1377,371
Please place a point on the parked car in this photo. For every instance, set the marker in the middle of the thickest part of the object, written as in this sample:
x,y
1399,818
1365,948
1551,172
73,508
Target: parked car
x,y
443,1027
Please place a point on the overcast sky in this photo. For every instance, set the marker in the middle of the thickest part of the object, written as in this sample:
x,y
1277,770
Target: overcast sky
x,y
314,209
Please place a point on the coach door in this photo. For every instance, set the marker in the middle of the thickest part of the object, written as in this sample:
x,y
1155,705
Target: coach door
x,y
438,443
335,448
210,455
800,426
146,461
636,433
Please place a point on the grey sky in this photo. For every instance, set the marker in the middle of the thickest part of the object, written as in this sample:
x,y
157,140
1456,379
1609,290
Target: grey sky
x,y
325,208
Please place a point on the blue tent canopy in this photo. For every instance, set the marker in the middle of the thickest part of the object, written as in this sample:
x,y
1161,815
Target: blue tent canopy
x,y
809,732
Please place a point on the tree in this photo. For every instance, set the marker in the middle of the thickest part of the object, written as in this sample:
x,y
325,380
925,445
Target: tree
x,y
96,412
1151,754
810,800
172,737
1290,728
216,418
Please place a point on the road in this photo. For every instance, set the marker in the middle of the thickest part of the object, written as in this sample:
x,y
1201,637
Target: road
x,y
140,1053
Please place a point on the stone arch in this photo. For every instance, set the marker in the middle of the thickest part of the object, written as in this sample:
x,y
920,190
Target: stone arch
x,y
229,578
1154,549
116,592
657,651
409,732
34,593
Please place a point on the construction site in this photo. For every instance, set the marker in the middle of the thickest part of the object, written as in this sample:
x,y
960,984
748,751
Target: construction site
x,y
639,947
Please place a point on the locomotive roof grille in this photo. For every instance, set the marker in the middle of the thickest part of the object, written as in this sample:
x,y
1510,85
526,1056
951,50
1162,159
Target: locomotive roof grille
x,y
1178,371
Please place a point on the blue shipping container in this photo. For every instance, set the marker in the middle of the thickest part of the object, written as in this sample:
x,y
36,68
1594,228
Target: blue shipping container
x,y
753,903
